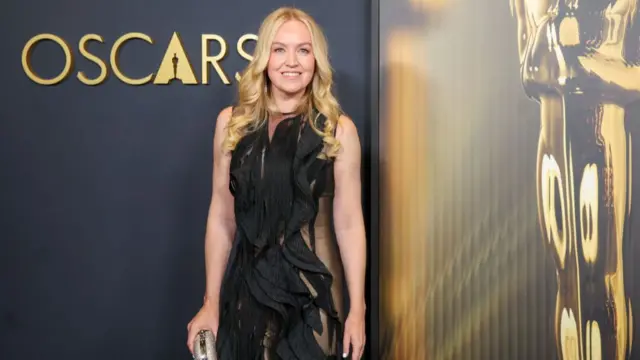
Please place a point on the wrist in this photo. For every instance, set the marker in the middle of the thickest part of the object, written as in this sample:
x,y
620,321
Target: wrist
x,y
209,300
358,307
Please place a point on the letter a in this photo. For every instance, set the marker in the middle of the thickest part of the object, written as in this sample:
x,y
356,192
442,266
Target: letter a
x,y
175,65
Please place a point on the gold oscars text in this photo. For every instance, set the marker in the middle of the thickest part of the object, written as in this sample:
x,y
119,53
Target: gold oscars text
x,y
175,65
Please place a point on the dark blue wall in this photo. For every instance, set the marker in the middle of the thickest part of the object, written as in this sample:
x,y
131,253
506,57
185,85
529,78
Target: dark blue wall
x,y
105,189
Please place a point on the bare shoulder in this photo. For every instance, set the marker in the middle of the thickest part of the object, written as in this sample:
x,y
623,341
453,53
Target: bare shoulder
x,y
347,136
347,162
220,129
223,117
346,129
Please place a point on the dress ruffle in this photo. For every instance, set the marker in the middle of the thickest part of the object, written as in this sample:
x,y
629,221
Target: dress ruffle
x,y
275,286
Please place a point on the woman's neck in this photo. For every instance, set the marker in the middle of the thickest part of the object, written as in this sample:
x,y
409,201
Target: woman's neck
x,y
287,104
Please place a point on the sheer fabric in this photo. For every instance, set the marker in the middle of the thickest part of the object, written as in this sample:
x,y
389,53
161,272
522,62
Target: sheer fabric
x,y
281,297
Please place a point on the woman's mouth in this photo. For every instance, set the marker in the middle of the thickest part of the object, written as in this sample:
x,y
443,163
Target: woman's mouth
x,y
291,74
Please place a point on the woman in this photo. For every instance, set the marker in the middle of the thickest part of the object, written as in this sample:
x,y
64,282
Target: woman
x,y
286,163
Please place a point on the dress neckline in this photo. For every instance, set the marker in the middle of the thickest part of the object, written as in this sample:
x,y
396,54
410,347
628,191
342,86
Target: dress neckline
x,y
278,127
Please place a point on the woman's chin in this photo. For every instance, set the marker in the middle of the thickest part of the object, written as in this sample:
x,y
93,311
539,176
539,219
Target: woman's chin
x,y
290,91
290,87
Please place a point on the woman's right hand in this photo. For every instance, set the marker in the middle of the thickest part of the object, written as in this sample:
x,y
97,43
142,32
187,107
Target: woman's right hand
x,y
205,319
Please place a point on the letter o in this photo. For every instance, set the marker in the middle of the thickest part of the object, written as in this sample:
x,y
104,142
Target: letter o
x,y
26,65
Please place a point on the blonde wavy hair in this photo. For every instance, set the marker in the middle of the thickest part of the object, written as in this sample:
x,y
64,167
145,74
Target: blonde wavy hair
x,y
255,102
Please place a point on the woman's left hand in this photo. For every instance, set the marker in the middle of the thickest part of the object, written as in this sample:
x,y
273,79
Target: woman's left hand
x,y
354,335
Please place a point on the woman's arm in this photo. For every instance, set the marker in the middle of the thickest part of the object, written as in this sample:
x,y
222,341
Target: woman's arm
x,y
347,210
349,225
221,220
218,237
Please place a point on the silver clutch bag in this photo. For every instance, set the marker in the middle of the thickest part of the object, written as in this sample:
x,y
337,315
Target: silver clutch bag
x,y
204,347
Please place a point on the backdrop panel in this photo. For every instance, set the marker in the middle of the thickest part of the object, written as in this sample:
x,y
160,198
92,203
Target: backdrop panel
x,y
106,171
509,179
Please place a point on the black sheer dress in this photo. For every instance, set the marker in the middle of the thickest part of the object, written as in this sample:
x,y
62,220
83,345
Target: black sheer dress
x,y
281,296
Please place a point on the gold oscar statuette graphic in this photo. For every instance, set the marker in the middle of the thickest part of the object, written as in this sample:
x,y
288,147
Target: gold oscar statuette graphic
x,y
176,65
576,60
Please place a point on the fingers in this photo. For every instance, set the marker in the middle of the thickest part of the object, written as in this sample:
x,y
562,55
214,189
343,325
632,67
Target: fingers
x,y
361,353
346,344
189,345
191,337
358,349
355,343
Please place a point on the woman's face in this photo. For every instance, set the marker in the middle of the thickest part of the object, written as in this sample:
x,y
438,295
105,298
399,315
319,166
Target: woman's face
x,y
291,62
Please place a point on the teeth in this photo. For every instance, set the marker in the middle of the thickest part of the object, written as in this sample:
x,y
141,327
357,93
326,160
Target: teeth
x,y
291,74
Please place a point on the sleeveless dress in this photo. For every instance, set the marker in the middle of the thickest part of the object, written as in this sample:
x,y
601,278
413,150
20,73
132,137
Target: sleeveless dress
x,y
281,297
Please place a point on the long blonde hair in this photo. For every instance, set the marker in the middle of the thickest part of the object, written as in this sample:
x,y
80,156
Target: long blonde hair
x,y
254,97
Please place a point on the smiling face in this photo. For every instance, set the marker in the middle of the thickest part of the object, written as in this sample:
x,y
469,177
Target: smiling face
x,y
291,62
